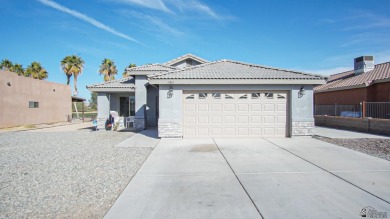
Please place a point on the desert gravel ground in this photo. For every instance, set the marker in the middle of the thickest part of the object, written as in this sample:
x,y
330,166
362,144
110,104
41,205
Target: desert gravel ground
x,y
372,146
64,174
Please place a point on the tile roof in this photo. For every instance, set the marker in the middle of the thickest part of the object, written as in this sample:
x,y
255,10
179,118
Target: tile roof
x,y
348,79
184,57
227,69
129,81
119,83
149,69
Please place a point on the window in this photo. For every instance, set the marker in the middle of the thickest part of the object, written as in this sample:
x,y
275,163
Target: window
x,y
269,95
33,104
216,95
281,96
243,96
228,96
202,95
255,95
190,97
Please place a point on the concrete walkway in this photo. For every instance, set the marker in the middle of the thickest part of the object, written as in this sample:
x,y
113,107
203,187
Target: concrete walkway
x,y
146,138
338,133
254,178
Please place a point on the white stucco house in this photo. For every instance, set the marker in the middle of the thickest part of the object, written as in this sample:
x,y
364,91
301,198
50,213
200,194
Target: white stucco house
x,y
191,97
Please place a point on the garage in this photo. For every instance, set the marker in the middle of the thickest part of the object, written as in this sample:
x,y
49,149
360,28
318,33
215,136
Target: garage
x,y
234,113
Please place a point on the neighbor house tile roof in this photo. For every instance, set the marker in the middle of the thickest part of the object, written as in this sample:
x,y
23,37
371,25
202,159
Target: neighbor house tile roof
x,y
227,69
149,69
120,83
129,81
184,57
348,80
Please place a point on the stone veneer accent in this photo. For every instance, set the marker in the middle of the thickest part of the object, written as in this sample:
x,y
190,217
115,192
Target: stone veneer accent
x,y
302,128
170,129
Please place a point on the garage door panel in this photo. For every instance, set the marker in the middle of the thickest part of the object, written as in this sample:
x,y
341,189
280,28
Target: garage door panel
x,y
229,132
203,107
243,119
190,120
216,131
269,131
242,107
216,107
204,120
256,107
281,131
189,132
229,107
256,119
203,131
269,107
229,119
190,107
216,120
256,132
234,113
269,119
281,119
281,107
243,131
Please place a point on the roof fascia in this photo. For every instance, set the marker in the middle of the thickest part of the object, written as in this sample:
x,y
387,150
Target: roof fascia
x,y
111,90
239,81
341,88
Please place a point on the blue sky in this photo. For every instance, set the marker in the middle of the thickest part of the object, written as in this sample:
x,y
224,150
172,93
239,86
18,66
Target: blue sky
x,y
307,35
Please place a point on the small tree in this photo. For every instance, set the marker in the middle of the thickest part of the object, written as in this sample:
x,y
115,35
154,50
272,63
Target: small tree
x,y
108,69
18,69
72,65
124,74
36,71
6,65
93,100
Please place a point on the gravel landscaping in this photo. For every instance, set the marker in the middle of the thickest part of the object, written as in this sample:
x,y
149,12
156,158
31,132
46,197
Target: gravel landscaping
x,y
76,174
372,146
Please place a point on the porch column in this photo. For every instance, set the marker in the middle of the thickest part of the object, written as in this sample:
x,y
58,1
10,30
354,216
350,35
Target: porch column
x,y
103,103
140,101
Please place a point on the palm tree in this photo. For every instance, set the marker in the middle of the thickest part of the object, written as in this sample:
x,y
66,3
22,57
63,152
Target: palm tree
x,y
108,69
124,74
36,71
5,65
72,65
18,69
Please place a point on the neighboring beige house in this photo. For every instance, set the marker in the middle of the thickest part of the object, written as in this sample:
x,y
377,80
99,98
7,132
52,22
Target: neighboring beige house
x,y
26,101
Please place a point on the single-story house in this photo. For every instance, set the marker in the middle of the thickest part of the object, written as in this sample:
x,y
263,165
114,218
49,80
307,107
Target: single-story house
x,y
366,82
28,101
192,97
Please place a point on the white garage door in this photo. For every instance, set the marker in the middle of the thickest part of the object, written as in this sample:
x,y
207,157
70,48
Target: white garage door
x,y
234,113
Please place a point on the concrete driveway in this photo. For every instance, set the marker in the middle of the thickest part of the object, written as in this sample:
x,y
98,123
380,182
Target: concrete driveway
x,y
255,178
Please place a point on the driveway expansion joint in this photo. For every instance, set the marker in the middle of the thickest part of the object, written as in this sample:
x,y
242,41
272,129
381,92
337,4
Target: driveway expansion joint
x,y
239,181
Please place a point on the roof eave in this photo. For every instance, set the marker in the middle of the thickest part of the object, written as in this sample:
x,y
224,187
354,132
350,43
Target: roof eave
x,y
237,81
340,88
111,89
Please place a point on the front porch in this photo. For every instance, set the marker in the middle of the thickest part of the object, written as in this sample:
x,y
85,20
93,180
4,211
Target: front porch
x,y
123,103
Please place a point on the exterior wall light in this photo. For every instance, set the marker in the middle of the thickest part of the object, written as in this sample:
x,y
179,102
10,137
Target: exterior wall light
x,y
170,92
301,92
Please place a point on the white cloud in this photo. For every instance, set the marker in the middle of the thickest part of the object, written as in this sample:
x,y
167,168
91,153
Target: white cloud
x,y
180,5
87,19
153,4
158,25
